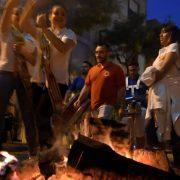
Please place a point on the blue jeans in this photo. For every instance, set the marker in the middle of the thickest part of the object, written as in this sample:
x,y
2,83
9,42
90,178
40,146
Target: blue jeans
x,y
8,83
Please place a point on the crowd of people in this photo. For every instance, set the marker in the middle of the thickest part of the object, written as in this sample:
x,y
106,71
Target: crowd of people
x,y
27,59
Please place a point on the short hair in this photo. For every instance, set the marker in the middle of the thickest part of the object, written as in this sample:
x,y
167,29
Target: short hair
x,y
133,61
175,32
133,64
58,6
103,44
87,62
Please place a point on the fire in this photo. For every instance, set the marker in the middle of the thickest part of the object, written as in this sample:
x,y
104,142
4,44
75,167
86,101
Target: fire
x,y
7,161
29,170
156,159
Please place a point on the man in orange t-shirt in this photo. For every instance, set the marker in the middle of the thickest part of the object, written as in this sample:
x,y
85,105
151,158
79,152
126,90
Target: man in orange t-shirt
x,y
105,83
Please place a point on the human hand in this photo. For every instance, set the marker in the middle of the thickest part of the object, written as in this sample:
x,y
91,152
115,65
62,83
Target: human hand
x,y
77,104
17,47
42,21
121,112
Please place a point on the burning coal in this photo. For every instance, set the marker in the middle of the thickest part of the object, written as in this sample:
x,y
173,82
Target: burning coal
x,y
8,163
52,165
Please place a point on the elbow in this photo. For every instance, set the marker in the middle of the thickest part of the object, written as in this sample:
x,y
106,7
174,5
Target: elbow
x,y
62,50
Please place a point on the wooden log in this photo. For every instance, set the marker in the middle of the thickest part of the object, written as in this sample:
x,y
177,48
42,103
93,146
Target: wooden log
x,y
86,153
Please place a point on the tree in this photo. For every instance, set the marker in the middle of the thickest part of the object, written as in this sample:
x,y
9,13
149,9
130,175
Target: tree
x,y
134,37
86,14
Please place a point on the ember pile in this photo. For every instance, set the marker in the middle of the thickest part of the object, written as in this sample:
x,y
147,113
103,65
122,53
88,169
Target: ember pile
x,y
91,160
107,158
8,163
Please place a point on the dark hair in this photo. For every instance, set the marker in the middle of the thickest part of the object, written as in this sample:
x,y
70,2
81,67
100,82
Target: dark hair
x,y
87,62
133,63
59,6
175,32
103,44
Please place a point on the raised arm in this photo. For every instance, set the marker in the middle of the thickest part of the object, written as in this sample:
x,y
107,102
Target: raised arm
x,y
26,23
6,16
62,46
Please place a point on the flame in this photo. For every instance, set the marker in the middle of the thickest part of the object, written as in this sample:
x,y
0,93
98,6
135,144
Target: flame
x,y
121,146
30,169
8,160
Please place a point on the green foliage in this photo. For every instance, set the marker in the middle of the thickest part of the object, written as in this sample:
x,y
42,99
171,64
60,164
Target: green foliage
x,y
86,14
135,37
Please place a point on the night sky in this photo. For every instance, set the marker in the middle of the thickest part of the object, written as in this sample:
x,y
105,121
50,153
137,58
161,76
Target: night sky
x,y
162,9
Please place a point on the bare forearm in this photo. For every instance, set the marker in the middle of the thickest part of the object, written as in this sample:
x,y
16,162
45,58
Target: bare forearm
x,y
6,17
25,21
83,94
61,46
121,96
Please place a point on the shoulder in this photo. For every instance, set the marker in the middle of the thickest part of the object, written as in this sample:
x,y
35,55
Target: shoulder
x,y
174,47
117,68
79,78
68,34
92,69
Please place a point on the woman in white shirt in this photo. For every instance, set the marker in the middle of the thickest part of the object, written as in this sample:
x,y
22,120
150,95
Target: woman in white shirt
x,y
11,70
164,96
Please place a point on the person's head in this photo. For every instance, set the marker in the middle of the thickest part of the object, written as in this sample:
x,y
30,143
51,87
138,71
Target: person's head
x,y
133,68
169,34
102,52
15,17
86,65
58,16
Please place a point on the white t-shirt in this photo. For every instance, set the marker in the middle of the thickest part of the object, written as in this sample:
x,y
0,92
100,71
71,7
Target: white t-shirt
x,y
174,70
59,62
7,60
36,73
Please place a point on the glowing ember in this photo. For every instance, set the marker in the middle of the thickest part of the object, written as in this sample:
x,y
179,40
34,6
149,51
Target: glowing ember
x,y
121,146
7,161
30,169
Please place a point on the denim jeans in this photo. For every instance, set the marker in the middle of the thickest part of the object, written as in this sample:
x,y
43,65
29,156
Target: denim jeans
x,y
8,83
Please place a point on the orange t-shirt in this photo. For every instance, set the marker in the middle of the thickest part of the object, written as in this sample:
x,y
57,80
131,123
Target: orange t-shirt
x,y
104,82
